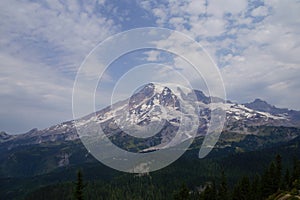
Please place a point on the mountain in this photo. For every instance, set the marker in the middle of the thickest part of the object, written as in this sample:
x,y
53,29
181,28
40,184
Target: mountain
x,y
263,106
157,108
152,109
252,132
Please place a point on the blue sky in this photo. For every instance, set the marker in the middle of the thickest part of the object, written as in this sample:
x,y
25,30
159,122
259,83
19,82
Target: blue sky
x,y
255,44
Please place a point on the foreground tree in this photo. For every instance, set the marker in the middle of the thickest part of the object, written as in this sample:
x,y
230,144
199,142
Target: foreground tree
x,y
182,194
278,172
223,190
79,187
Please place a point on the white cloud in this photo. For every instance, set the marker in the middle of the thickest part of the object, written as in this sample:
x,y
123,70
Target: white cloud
x,y
218,8
208,28
196,7
42,45
152,55
260,11
259,45
261,74
32,93
67,29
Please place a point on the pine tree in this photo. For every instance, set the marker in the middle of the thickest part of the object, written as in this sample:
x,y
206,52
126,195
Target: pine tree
x,y
209,192
79,186
255,193
269,184
242,190
278,171
236,194
296,170
287,180
182,194
223,190
245,187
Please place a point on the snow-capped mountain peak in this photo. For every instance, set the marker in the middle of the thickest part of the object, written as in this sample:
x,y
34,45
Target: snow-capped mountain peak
x,y
158,108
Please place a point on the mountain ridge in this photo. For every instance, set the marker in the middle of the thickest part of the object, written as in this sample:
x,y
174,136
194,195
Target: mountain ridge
x,y
147,106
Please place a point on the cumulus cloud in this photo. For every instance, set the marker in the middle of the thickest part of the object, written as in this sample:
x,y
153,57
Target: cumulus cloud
x,y
31,95
260,11
270,65
256,45
42,45
67,29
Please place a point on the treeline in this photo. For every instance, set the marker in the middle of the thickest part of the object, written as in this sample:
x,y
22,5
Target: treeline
x,y
276,178
266,186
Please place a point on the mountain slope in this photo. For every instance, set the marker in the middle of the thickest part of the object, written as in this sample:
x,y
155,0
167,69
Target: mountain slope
x,y
187,169
253,132
158,107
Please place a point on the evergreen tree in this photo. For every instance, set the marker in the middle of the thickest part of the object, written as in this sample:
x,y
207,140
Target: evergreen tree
x,y
272,178
182,194
223,190
296,170
245,187
255,193
79,187
269,184
278,171
242,190
287,180
210,192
